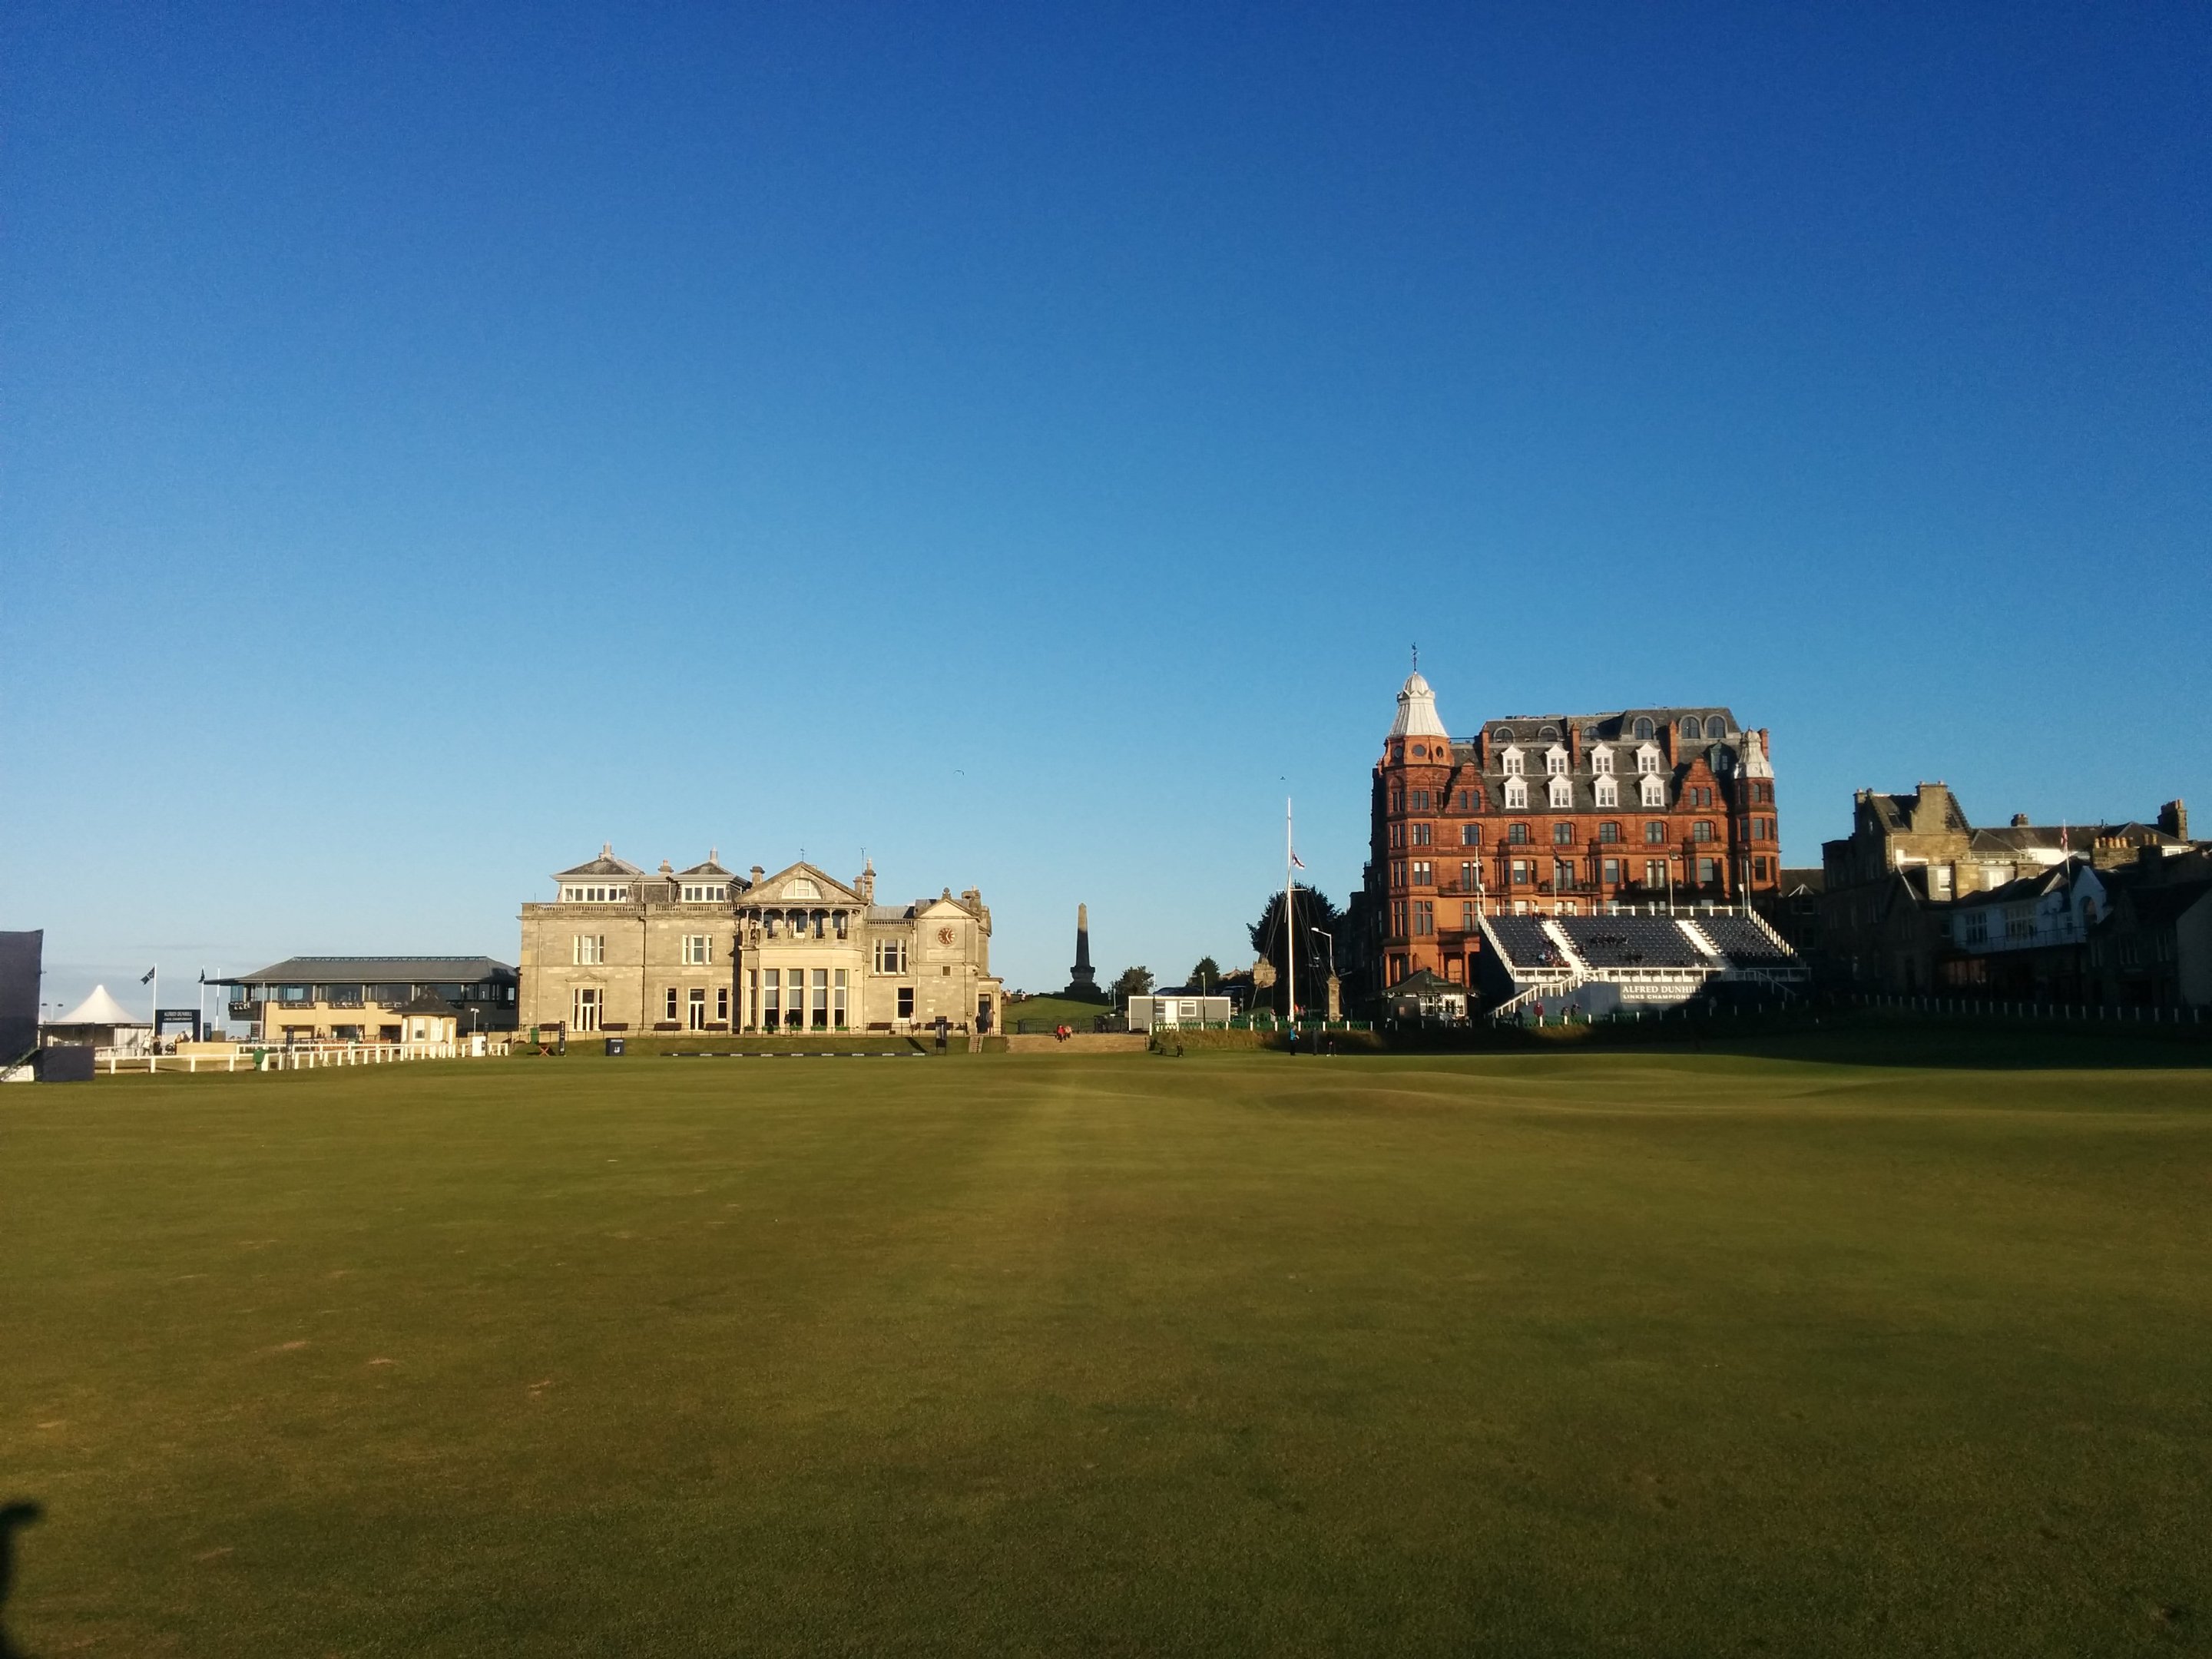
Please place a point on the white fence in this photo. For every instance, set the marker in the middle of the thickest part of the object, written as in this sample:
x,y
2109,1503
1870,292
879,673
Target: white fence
x,y
298,1057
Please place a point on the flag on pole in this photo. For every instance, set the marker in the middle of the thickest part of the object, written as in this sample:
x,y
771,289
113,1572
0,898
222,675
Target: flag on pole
x,y
147,978
1298,861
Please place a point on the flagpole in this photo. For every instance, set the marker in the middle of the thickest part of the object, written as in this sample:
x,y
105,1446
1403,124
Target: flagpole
x,y
1290,926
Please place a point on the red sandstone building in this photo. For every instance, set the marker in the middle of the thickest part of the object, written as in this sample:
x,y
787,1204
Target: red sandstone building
x,y
1555,814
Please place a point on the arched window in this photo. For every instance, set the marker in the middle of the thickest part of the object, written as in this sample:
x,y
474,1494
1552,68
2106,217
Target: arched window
x,y
1518,835
1555,760
1702,830
1601,761
1513,763
1654,793
1716,727
1562,794
1644,728
1516,795
1547,730
1691,727
1608,792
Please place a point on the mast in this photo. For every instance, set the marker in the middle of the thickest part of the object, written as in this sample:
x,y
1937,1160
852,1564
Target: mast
x,y
1290,929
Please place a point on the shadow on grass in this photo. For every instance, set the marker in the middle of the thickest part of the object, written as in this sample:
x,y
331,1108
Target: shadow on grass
x,y
12,1516
1862,1037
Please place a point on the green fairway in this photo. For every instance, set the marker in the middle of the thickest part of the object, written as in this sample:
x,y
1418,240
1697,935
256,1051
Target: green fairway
x,y
1516,1354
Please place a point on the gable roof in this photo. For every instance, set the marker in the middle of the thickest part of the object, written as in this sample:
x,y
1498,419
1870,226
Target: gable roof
x,y
781,885
2168,902
428,1003
709,869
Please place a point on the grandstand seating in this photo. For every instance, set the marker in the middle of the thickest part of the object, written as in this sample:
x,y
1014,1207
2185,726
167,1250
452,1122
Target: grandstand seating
x,y
1524,943
1626,941
1741,939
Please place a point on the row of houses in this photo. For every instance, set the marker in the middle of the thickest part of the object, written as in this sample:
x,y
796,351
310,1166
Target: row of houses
x,y
1917,901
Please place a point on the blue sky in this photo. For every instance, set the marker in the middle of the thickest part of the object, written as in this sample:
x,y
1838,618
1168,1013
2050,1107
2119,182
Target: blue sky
x,y
1023,442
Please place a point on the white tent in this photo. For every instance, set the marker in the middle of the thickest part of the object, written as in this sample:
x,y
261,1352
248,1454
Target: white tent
x,y
103,1023
99,1008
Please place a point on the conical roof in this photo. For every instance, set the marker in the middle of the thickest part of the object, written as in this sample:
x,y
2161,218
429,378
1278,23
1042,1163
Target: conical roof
x,y
99,1008
1417,710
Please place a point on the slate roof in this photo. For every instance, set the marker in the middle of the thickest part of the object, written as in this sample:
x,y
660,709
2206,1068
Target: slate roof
x,y
605,865
376,970
1614,726
2024,887
710,871
428,1003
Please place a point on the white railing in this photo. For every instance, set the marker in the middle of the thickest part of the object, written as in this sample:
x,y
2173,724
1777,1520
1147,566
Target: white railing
x,y
294,1057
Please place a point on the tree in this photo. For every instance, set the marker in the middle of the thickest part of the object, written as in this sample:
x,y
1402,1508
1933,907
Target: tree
x,y
1313,916
1133,982
1205,976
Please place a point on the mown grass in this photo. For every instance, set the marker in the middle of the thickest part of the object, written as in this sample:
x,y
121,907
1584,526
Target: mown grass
x,y
1553,1353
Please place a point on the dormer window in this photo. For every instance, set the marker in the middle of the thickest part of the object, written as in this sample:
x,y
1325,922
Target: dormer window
x,y
1609,792
1691,727
1647,759
1562,794
705,892
1555,761
1601,761
1514,767
1654,793
1547,730
1516,795
584,895
1644,729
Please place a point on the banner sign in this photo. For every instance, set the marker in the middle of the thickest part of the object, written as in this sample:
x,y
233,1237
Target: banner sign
x,y
168,1019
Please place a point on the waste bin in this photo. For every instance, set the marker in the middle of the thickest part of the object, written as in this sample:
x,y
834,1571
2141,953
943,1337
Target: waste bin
x,y
614,1045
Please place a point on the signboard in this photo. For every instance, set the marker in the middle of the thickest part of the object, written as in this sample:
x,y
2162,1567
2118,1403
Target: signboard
x,y
184,1019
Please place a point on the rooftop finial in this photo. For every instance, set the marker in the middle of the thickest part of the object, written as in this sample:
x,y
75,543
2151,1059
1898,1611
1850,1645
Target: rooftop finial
x,y
1417,656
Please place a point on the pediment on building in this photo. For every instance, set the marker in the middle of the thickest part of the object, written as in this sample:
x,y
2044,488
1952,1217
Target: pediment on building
x,y
802,884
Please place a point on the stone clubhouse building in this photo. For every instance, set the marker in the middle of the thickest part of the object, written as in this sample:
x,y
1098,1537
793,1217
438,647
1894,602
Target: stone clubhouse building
x,y
621,950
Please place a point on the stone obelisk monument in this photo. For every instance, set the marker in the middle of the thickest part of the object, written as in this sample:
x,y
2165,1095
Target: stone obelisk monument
x,y
1083,979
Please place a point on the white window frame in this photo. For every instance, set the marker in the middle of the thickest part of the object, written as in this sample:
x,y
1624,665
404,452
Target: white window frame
x,y
1555,761
1609,792
698,950
1654,793
1515,765
1602,761
1516,794
586,1008
1561,793
1647,761
588,950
